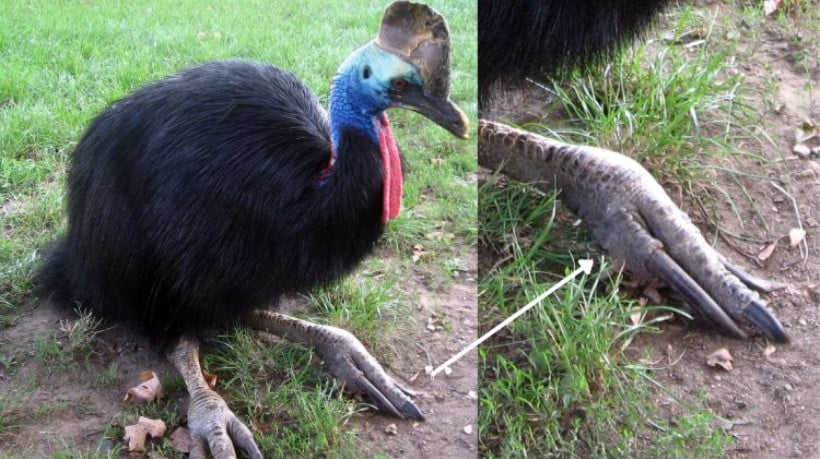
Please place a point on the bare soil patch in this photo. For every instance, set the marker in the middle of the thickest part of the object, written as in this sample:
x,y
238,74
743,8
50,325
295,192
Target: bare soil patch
x,y
769,404
449,402
61,406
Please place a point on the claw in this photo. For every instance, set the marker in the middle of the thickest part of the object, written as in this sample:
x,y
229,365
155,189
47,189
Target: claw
x,y
672,273
756,283
213,426
630,215
346,358
757,313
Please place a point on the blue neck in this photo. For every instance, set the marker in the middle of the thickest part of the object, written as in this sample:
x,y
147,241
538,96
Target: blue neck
x,y
346,110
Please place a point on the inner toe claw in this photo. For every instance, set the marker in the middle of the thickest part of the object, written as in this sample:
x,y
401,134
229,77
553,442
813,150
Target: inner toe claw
x,y
349,361
760,315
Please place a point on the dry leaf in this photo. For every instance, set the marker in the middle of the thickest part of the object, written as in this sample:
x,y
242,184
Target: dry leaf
x,y
720,357
767,354
767,252
802,150
468,429
210,379
149,390
472,395
806,131
796,236
181,440
428,369
635,318
136,434
770,6
391,429
418,252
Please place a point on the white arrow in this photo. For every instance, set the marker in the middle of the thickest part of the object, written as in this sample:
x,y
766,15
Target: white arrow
x,y
585,266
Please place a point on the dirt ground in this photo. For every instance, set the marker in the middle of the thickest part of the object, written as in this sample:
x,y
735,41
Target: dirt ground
x,y
78,420
449,402
769,404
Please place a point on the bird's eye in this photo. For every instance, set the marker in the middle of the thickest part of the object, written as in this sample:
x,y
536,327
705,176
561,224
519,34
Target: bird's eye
x,y
366,72
398,84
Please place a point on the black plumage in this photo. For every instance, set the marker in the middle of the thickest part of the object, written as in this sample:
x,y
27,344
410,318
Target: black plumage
x,y
532,37
198,198
197,201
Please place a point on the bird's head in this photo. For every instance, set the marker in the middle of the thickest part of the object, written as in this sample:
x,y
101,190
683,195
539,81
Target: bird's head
x,y
407,66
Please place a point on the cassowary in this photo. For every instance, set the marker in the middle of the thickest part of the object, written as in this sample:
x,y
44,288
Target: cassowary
x,y
623,207
197,201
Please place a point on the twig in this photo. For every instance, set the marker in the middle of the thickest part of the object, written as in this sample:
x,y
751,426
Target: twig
x,y
804,245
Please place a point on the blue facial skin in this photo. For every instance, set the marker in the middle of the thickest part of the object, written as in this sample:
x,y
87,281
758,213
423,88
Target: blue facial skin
x,y
361,89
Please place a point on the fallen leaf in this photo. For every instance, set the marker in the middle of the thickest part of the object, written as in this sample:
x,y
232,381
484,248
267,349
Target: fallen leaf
x,y
468,429
796,236
391,429
802,150
635,318
136,434
806,131
428,369
181,440
767,251
418,252
434,235
770,6
472,395
146,392
720,357
767,354
210,379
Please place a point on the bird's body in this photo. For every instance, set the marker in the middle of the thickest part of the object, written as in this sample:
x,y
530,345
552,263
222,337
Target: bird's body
x,y
220,197
198,200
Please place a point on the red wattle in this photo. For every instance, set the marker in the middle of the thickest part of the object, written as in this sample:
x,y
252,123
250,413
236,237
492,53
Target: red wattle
x,y
392,170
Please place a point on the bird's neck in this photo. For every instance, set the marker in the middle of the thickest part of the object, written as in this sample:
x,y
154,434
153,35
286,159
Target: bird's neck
x,y
346,116
347,112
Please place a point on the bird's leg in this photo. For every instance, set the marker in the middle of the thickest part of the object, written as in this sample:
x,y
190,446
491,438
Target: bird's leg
x,y
630,215
212,424
346,358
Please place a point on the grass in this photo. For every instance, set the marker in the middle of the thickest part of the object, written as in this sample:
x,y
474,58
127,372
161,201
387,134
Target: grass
x,y
559,383
62,64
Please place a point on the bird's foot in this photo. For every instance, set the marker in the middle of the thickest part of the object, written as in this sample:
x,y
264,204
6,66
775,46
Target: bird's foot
x,y
347,359
630,215
212,425
215,428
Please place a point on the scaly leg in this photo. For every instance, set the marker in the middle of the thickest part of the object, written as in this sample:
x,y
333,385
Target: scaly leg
x,y
346,358
630,215
212,424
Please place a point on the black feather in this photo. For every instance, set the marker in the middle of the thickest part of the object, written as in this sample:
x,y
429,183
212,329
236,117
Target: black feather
x,y
198,197
531,37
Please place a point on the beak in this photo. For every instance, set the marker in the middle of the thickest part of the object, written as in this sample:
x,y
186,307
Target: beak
x,y
440,110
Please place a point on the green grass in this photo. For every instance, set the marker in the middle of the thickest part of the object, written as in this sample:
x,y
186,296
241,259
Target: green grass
x,y
559,384
61,63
